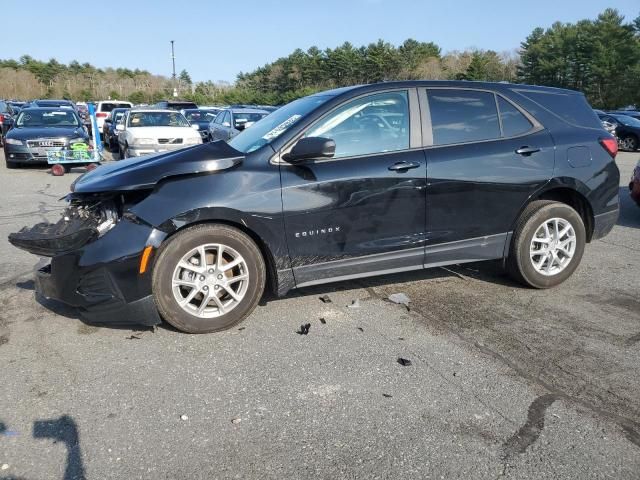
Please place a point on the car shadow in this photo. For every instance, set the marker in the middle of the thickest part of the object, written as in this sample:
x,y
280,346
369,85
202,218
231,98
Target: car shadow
x,y
629,210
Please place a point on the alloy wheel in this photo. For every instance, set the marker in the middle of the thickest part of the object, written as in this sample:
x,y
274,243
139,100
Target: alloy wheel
x,y
210,280
552,246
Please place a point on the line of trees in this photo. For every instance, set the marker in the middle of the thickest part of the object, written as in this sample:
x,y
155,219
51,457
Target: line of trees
x,y
599,57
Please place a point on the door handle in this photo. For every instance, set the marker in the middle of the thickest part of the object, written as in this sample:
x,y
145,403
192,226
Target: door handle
x,y
526,151
403,166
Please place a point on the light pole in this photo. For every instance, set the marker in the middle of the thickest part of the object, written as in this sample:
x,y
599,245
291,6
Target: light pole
x,y
173,61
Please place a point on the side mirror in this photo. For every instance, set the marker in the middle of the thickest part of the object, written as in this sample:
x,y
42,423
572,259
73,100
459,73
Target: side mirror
x,y
120,127
311,147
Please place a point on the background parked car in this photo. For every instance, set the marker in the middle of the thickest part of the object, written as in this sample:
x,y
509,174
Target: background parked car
x,y
175,105
109,132
37,130
202,118
627,130
6,119
105,107
230,122
145,131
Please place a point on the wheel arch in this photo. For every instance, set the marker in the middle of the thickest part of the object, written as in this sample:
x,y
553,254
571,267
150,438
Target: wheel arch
x,y
572,197
270,262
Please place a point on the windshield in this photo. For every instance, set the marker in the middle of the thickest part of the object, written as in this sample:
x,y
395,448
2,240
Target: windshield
x,y
107,107
200,115
47,118
627,120
157,119
274,125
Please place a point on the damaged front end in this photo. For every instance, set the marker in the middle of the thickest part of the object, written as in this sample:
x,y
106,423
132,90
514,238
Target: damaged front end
x,y
86,219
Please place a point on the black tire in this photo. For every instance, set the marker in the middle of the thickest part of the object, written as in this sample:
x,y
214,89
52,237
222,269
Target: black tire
x,y
67,168
519,263
172,251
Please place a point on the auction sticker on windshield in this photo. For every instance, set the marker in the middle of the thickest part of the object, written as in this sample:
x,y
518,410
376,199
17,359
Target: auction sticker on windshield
x,y
277,131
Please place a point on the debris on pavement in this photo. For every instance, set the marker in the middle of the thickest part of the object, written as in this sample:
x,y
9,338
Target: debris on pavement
x,y
325,299
184,418
5,466
386,395
404,362
241,328
361,329
236,420
304,329
400,298
354,304
323,321
133,337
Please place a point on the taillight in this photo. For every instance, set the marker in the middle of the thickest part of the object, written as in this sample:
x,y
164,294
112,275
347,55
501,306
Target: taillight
x,y
1,118
102,115
610,144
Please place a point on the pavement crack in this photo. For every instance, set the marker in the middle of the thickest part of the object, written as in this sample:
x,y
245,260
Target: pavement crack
x,y
532,428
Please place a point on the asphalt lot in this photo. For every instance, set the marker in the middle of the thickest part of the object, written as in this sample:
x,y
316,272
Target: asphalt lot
x,y
504,381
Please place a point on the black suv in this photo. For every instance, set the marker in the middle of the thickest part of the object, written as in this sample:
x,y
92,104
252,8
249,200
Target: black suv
x,y
175,105
343,184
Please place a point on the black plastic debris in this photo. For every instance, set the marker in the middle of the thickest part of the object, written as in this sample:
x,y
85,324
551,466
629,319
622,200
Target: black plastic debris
x,y
325,299
386,395
241,328
304,329
133,337
323,321
404,361
361,329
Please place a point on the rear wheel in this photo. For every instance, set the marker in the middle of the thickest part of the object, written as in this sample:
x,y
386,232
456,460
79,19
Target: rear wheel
x,y
208,278
547,244
628,143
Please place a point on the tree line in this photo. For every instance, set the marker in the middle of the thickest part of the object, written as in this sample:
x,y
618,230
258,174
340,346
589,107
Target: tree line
x,y
599,57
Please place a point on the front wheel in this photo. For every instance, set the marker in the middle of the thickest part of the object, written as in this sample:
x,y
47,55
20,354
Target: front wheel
x,y
547,244
208,278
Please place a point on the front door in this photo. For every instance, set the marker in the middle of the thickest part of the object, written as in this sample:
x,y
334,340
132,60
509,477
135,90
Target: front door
x,y
361,212
488,157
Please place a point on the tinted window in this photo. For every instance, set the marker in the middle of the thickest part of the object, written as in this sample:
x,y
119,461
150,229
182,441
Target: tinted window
x,y
244,118
368,125
460,116
226,118
219,117
571,107
513,121
107,107
181,105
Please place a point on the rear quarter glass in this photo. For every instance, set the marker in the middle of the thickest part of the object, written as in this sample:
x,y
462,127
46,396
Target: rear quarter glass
x,y
570,107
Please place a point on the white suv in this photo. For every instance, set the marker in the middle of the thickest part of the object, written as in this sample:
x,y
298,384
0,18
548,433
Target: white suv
x,y
141,132
104,108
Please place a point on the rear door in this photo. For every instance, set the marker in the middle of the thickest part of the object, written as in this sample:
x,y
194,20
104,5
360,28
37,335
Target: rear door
x,y
485,157
362,211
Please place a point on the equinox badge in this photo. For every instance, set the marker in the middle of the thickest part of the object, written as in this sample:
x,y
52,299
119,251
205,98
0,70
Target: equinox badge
x,y
319,231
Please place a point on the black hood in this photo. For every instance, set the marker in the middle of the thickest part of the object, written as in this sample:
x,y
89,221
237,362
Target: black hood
x,y
29,133
145,172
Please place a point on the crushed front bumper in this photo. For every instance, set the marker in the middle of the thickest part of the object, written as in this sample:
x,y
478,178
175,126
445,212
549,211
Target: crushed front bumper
x,y
101,278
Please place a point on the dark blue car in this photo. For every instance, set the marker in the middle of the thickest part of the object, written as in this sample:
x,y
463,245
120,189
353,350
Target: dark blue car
x,y
109,133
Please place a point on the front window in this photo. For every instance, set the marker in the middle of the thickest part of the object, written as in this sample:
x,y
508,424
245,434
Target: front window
x,y
274,125
368,125
47,118
157,119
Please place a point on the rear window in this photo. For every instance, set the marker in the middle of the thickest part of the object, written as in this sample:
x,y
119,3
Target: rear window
x,y
460,116
571,107
513,121
181,105
108,106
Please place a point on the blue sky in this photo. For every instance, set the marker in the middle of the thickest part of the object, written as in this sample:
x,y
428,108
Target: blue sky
x,y
216,39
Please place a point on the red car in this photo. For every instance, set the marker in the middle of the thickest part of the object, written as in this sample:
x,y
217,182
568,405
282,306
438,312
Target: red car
x,y
634,184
